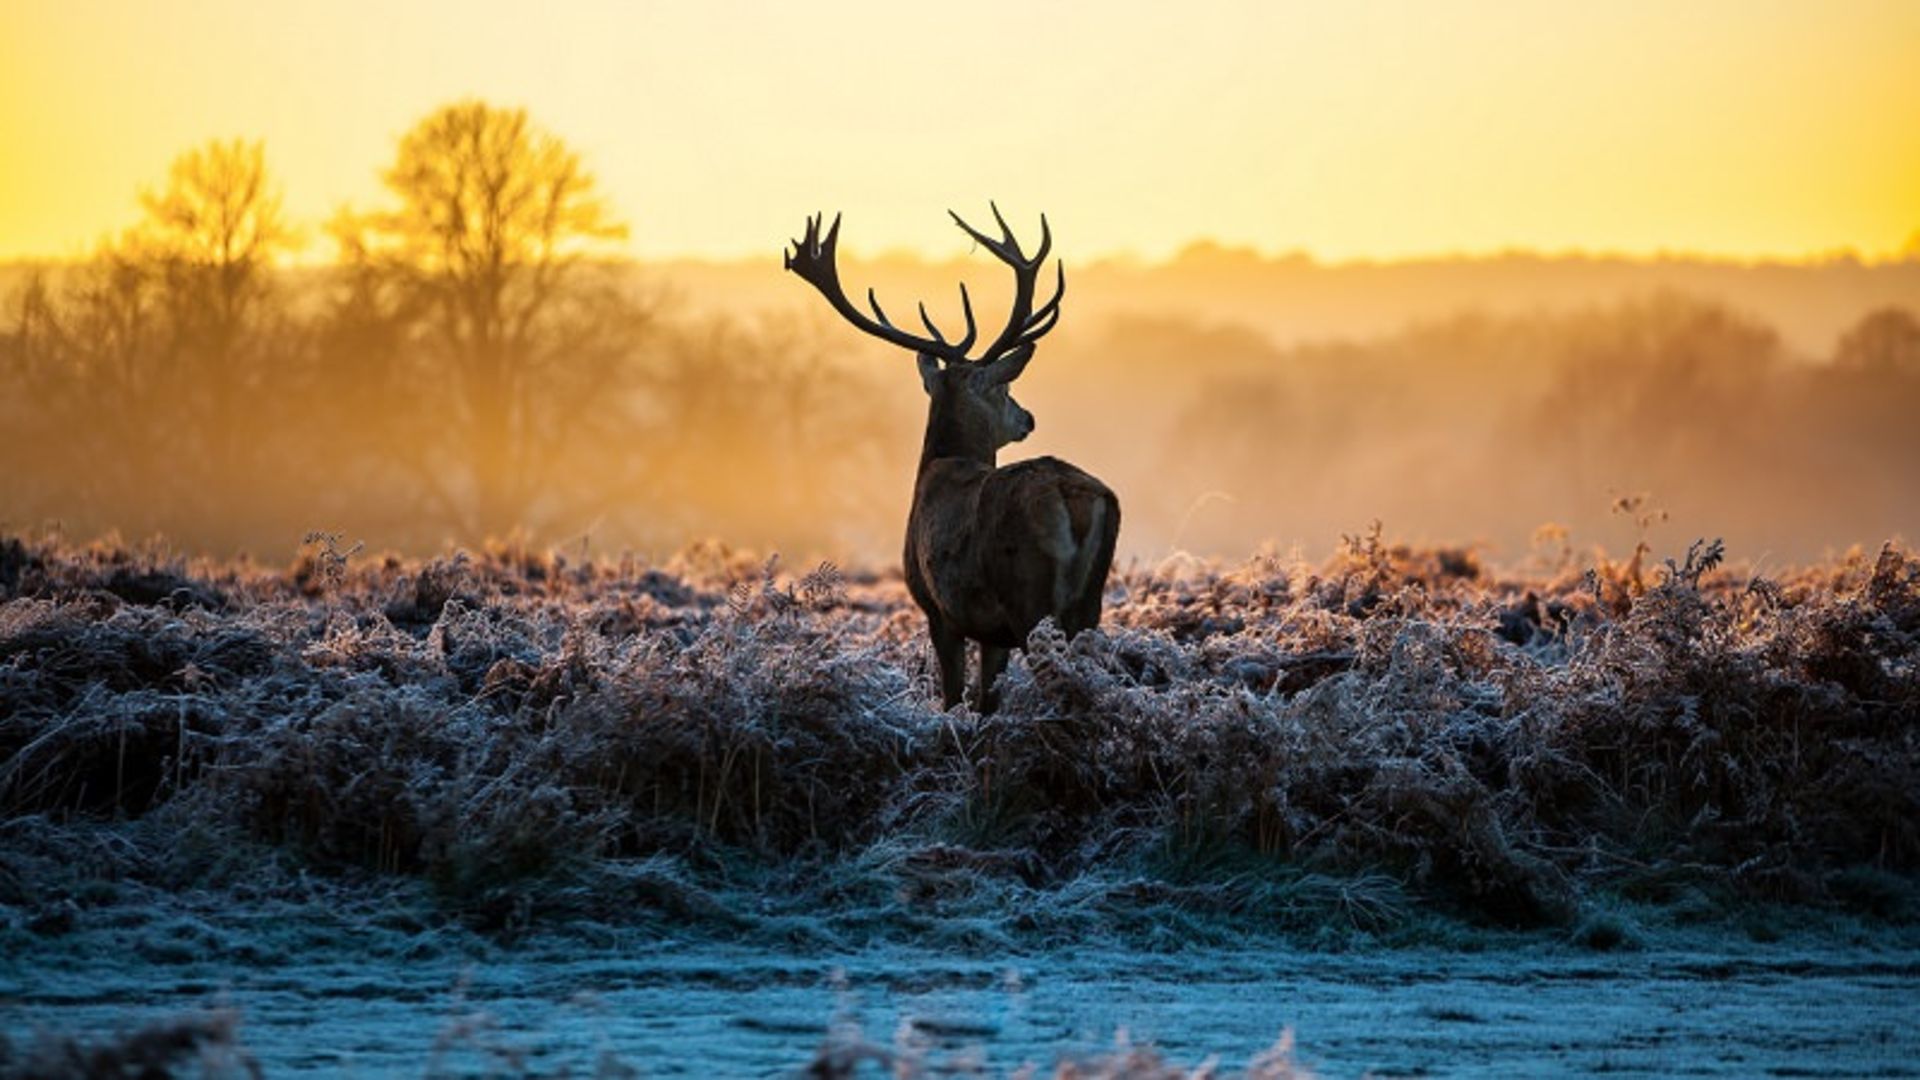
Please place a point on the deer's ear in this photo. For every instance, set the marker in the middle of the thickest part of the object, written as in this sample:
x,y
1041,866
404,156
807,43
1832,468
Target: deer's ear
x,y
929,369
1008,368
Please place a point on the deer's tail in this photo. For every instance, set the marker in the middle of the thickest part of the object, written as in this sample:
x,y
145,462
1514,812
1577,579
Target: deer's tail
x,y
1095,518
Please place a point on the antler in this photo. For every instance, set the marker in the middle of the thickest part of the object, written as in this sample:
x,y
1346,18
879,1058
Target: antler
x,y
1024,325
812,258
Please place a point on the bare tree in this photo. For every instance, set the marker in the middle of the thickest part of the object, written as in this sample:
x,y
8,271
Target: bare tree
x,y
483,260
146,364
209,238
214,231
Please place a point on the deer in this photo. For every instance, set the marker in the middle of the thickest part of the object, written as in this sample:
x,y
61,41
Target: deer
x,y
991,550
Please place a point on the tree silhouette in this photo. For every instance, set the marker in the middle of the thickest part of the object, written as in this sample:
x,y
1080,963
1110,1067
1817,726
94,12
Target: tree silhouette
x,y
214,229
147,365
1883,342
210,237
480,262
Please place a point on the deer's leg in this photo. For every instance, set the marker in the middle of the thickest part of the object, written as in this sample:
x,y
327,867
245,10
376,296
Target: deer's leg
x,y
993,661
950,649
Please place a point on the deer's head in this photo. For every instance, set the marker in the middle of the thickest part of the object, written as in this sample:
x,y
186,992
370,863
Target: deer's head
x,y
973,391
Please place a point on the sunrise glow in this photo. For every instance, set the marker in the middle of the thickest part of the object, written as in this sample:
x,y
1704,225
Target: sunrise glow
x,y
1372,130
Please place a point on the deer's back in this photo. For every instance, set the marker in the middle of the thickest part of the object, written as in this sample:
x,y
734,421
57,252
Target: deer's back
x,y
999,550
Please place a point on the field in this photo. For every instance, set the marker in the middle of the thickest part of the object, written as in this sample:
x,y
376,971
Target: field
x,y
455,462
461,763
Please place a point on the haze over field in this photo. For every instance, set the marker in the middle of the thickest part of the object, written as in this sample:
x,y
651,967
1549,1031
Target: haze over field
x,y
1234,402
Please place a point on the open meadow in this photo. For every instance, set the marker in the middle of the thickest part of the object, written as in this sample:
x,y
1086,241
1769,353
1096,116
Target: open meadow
x,y
384,773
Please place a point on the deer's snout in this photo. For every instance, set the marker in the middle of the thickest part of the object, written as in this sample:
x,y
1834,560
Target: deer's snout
x,y
1022,425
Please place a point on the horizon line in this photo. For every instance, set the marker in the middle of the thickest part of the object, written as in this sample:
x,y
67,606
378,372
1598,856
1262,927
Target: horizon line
x,y
1196,249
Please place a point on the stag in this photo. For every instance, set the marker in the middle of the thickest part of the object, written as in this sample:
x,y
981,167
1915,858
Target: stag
x,y
991,550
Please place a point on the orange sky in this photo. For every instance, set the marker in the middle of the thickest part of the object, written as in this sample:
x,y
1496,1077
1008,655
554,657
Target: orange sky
x,y
1744,128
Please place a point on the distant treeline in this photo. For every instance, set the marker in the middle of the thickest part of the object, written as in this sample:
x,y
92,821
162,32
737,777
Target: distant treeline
x,y
472,365
478,361
1295,299
1654,420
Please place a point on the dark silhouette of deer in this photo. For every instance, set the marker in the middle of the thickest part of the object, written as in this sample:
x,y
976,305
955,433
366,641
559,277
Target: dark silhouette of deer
x,y
990,551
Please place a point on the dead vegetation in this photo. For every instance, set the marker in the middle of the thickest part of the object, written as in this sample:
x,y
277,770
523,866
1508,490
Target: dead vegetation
x,y
1280,744
207,1045
204,1044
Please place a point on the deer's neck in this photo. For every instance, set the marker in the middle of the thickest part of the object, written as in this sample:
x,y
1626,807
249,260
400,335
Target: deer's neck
x,y
956,432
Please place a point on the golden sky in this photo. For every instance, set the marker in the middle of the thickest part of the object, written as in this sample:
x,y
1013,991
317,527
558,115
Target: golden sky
x,y
1350,129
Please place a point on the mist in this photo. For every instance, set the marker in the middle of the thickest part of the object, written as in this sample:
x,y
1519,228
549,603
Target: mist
x,y
774,431
514,377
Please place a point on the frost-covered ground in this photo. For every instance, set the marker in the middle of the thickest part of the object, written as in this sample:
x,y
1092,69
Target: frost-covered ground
x,y
386,1003
1582,814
